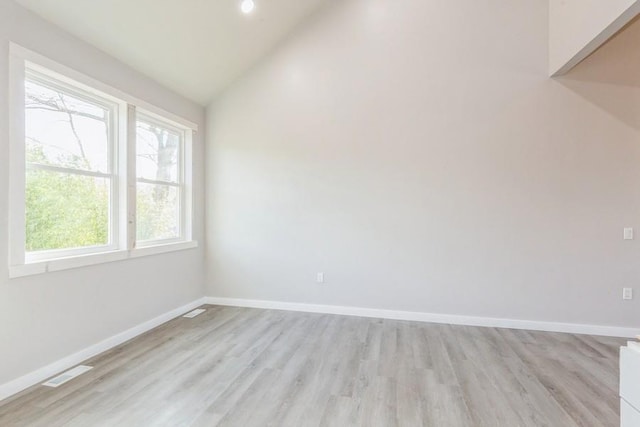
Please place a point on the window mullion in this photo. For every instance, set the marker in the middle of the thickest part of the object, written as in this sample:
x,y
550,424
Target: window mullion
x,y
187,184
131,176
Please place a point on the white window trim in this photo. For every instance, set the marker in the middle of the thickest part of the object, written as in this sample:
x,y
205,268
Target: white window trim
x,y
61,264
123,233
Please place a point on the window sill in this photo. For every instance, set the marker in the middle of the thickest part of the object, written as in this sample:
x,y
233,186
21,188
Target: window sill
x,y
42,267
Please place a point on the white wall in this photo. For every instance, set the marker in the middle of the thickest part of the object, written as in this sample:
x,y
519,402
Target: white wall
x,y
47,317
578,27
419,155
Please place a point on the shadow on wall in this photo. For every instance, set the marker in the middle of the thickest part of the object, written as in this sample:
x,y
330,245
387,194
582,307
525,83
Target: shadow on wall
x,y
610,78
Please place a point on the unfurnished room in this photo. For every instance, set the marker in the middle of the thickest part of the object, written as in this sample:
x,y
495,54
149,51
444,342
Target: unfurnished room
x,y
291,213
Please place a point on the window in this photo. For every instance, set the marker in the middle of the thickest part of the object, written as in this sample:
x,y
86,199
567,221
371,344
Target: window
x,y
160,186
96,175
69,182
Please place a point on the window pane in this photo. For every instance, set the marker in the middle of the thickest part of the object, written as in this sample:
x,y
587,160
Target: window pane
x,y
64,130
157,212
157,152
65,211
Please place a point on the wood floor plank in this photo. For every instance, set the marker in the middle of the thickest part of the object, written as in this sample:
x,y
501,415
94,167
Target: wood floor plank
x,y
249,367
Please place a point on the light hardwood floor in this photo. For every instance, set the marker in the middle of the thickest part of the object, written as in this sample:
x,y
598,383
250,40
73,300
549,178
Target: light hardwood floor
x,y
250,367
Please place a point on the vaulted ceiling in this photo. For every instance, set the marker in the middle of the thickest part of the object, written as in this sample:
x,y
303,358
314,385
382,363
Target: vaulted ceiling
x,y
194,47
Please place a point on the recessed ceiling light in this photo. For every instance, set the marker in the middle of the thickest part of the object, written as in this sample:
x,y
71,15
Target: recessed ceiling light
x,y
247,6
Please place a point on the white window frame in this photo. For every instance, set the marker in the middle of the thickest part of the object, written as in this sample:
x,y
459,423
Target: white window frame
x,y
123,182
183,185
50,79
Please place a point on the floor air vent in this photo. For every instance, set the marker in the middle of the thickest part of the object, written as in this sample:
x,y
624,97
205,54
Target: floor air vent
x,y
194,313
67,376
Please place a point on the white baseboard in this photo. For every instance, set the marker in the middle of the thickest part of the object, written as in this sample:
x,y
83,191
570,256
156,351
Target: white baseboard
x,y
39,375
452,319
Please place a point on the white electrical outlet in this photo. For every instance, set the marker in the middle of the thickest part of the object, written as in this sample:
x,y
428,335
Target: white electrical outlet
x,y
627,293
628,234
320,278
